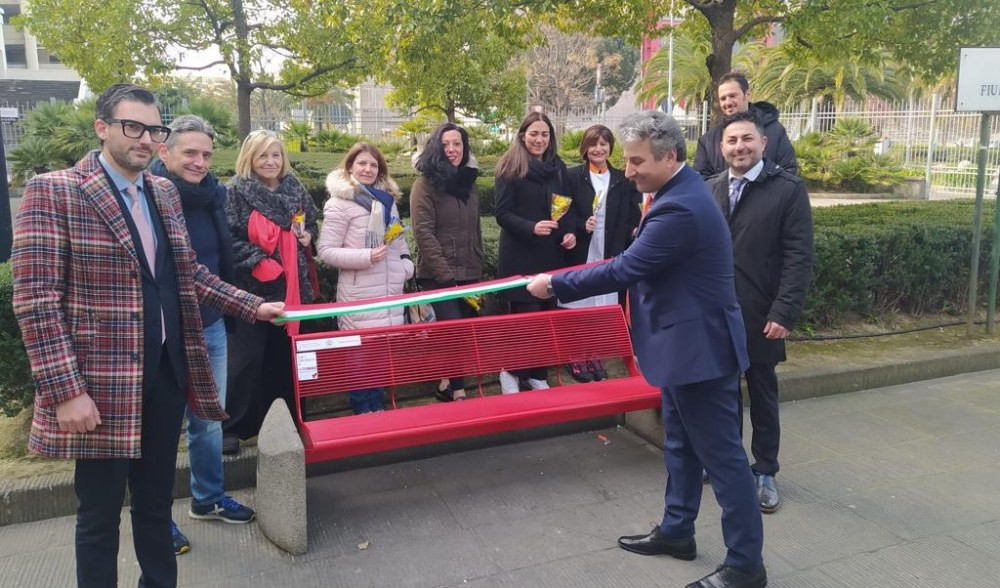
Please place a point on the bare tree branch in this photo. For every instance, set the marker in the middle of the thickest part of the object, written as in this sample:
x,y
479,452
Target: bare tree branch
x,y
201,67
314,73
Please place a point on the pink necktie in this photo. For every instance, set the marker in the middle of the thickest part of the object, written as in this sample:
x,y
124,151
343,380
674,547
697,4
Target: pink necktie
x,y
148,243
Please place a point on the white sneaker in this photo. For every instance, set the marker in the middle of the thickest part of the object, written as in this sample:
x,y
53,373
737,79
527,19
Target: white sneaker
x,y
508,383
538,384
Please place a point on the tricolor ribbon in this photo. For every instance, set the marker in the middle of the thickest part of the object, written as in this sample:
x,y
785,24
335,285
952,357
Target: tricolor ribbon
x,y
318,311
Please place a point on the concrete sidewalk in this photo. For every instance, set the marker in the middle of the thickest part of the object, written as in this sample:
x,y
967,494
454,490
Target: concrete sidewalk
x,y
895,486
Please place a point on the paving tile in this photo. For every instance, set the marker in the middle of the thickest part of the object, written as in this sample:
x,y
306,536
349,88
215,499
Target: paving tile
x,y
984,538
938,416
936,562
976,486
855,432
810,535
910,511
810,579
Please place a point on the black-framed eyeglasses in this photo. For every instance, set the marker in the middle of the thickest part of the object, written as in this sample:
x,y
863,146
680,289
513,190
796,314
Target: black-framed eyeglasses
x,y
134,129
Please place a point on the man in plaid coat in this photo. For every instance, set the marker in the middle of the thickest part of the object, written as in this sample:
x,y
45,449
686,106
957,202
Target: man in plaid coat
x,y
106,292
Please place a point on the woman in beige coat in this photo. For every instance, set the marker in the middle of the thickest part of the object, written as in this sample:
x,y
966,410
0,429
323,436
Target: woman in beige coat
x,y
359,213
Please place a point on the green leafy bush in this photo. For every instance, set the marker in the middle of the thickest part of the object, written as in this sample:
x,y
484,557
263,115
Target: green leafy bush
x,y
57,135
17,390
843,159
334,140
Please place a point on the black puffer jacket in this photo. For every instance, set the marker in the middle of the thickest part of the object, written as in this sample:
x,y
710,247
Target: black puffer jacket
x,y
708,159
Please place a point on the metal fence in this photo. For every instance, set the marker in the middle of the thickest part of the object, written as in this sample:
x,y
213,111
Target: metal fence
x,y
922,135
925,136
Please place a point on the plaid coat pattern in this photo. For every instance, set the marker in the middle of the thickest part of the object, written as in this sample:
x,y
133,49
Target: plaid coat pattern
x,y
78,301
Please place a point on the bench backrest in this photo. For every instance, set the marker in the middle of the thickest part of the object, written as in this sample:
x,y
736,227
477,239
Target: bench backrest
x,y
341,361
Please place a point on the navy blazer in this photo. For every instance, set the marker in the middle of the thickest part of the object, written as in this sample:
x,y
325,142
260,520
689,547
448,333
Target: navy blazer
x,y
686,322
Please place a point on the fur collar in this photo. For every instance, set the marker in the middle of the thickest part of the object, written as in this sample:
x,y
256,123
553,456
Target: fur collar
x,y
340,184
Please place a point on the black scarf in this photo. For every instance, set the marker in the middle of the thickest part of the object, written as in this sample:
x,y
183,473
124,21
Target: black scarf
x,y
279,205
544,170
193,196
461,182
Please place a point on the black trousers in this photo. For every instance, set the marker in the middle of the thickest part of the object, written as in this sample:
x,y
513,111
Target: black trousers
x,y
449,310
100,490
259,371
540,373
762,388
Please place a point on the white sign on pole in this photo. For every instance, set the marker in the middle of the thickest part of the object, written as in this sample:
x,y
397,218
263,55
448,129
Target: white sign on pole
x,y
8,113
978,80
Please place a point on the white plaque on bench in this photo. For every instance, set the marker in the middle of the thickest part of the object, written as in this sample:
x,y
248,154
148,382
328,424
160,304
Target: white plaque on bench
x,y
328,343
306,365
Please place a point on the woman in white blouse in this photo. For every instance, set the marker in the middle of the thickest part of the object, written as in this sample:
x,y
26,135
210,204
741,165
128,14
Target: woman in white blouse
x,y
609,214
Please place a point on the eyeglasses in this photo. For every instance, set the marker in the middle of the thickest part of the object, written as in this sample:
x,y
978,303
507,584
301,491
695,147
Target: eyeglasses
x,y
134,129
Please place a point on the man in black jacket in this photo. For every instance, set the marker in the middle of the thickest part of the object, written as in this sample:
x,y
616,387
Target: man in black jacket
x,y
771,224
734,97
184,160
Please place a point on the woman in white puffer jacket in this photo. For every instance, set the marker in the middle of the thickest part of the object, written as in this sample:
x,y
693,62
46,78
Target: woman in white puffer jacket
x,y
359,211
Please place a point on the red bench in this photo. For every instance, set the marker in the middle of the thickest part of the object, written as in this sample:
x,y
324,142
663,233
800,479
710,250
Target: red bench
x,y
340,361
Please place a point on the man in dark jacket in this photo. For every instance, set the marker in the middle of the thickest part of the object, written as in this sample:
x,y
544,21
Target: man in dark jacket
x,y
184,160
734,96
771,223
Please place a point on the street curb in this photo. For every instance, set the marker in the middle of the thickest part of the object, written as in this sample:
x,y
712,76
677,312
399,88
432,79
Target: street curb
x,y
43,497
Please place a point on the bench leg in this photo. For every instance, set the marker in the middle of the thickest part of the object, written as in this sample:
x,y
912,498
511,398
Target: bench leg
x,y
281,481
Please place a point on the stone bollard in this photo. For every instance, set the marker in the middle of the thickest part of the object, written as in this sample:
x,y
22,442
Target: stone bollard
x,y
281,481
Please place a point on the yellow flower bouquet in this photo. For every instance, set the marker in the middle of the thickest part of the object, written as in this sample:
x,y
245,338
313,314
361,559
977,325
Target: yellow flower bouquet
x,y
560,205
393,231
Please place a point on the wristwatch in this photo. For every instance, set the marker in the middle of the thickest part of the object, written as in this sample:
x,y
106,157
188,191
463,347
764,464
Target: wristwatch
x,y
548,288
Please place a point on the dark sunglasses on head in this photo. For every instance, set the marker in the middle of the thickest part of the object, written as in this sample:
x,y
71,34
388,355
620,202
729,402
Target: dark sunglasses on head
x,y
134,129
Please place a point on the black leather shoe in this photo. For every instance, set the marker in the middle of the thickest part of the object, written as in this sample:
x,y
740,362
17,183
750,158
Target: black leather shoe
x,y
767,494
729,577
656,544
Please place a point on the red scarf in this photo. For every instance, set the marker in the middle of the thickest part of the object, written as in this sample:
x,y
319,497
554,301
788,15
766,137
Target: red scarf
x,y
267,235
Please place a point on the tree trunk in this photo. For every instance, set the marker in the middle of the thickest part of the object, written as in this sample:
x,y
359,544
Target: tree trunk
x,y
720,18
243,91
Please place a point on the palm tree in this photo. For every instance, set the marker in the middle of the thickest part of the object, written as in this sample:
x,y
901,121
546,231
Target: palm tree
x,y
299,131
788,77
692,81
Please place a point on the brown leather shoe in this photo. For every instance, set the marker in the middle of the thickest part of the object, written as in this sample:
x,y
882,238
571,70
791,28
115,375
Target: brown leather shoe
x,y
656,544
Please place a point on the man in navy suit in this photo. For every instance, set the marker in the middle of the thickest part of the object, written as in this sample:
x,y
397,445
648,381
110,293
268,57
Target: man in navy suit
x,y
690,341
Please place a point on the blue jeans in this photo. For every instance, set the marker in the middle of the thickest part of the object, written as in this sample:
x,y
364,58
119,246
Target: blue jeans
x,y
368,400
205,437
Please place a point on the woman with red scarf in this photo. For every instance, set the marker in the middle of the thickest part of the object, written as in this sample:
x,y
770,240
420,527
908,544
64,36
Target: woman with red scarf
x,y
272,219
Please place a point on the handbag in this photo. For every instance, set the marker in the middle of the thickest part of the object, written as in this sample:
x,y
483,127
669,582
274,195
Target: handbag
x,y
417,313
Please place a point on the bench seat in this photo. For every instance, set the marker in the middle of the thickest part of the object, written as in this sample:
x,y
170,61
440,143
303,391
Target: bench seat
x,y
433,423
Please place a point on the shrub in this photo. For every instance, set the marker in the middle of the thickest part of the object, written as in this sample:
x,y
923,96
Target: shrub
x,y
17,390
57,136
334,140
843,159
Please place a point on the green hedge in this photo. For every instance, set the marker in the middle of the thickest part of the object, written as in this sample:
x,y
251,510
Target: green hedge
x,y
16,388
909,257
871,260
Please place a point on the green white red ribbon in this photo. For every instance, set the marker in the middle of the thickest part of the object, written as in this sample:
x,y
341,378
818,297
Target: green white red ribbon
x,y
318,311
